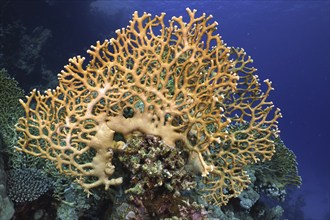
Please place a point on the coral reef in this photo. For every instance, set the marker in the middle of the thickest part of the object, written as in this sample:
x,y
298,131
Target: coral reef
x,y
154,167
173,122
281,170
36,183
10,109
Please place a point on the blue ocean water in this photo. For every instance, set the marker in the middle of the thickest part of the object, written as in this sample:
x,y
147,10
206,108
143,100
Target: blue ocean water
x,y
288,40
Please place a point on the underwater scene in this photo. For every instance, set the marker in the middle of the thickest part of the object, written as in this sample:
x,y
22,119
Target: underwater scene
x,y
183,110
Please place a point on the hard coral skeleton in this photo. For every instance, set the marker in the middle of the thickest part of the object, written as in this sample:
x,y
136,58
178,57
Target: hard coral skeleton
x,y
177,81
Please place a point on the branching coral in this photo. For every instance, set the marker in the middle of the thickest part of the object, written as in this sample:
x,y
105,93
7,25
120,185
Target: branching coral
x,y
281,171
179,82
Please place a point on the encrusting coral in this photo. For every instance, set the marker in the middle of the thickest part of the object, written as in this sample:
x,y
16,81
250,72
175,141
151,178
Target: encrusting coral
x,y
179,82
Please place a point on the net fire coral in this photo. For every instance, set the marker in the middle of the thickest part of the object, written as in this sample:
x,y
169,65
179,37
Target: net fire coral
x,y
179,82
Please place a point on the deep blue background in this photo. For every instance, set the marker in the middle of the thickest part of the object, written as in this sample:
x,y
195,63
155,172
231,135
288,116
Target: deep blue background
x,y
288,40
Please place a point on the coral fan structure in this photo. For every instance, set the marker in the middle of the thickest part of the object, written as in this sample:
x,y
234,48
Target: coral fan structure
x,y
281,171
176,81
10,109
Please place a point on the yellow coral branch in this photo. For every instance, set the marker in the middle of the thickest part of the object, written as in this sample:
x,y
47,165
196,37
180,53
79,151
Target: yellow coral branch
x,y
179,82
